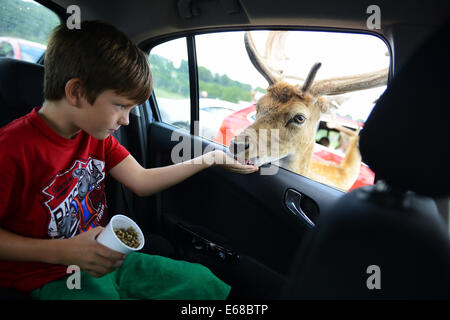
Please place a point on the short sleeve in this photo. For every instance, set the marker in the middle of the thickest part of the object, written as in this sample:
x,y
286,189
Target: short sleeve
x,y
114,153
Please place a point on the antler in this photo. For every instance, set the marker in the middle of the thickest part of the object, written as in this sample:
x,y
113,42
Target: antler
x,y
258,62
333,86
311,75
356,82
274,51
332,124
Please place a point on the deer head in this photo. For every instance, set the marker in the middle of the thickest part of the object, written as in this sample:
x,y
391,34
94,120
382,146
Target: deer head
x,y
288,115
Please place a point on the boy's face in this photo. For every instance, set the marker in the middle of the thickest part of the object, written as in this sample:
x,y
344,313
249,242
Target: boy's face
x,y
107,114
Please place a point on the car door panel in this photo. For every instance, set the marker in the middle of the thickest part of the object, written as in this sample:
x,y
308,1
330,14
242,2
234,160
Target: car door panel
x,y
245,214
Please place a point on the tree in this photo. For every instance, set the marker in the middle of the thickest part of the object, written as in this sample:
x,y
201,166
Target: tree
x,y
176,81
25,20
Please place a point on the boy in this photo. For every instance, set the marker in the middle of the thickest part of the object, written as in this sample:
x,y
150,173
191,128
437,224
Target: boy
x,y
54,161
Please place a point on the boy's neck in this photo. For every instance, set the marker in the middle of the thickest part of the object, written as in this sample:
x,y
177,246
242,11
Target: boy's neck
x,y
56,114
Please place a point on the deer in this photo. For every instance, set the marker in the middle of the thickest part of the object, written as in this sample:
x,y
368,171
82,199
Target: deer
x,y
294,111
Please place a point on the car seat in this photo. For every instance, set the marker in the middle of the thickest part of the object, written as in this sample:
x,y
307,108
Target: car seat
x,y
388,241
21,88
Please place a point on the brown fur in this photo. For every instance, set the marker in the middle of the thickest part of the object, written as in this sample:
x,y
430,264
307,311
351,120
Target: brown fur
x,y
274,110
283,92
341,176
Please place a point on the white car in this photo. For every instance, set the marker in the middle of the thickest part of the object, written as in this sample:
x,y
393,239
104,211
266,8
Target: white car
x,y
212,112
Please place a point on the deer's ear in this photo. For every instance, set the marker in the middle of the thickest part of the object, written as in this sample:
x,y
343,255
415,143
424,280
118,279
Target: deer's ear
x,y
323,104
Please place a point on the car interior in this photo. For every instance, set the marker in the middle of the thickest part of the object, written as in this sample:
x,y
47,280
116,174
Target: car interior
x,y
286,236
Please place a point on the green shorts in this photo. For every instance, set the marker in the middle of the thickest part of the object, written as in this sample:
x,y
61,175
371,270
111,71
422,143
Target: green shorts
x,y
141,276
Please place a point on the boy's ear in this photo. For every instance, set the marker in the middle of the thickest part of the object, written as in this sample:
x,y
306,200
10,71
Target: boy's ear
x,y
73,91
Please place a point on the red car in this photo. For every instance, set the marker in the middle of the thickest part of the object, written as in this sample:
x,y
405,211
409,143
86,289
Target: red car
x,y
20,49
239,120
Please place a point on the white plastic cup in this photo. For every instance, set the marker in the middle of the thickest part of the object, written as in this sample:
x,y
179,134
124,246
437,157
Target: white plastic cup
x,y
109,239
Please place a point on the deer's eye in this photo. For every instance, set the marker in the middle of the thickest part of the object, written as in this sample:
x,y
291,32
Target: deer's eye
x,y
299,118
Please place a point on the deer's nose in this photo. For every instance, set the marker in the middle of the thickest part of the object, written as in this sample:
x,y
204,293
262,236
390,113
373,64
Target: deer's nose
x,y
237,146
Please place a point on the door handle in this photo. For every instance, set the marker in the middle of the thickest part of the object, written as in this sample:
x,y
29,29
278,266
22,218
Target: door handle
x,y
293,200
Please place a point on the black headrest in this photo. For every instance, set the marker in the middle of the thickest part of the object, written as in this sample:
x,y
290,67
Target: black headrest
x,y
406,139
401,234
21,88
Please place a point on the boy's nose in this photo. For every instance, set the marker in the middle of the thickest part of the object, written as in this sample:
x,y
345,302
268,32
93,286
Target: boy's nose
x,y
124,120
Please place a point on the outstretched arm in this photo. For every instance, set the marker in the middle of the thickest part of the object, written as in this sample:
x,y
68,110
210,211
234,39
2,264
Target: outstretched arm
x,y
144,182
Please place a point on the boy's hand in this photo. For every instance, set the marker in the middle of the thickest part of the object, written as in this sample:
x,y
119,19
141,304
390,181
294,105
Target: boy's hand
x,y
220,158
84,251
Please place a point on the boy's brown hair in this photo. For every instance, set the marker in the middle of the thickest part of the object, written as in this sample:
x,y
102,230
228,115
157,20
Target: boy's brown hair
x,y
102,57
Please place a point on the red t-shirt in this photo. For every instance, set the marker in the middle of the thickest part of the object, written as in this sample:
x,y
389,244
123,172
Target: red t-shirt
x,y
50,188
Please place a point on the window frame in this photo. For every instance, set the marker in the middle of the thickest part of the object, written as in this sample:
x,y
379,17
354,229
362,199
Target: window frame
x,y
148,45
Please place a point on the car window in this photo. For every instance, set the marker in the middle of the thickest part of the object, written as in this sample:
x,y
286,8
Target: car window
x,y
228,80
31,53
225,88
352,75
25,27
169,63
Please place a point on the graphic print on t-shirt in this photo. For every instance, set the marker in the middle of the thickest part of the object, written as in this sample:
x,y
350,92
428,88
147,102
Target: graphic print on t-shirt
x,y
76,199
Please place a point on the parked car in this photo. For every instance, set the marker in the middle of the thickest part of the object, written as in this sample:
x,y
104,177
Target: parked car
x,y
21,49
177,112
234,123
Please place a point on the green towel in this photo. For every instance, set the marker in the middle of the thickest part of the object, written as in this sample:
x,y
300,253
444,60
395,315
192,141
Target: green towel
x,y
142,276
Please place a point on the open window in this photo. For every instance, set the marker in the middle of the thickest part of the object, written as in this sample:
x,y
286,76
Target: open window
x,y
169,63
234,71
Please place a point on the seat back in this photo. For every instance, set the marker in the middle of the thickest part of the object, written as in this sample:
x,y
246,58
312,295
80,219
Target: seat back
x,y
21,88
375,244
388,241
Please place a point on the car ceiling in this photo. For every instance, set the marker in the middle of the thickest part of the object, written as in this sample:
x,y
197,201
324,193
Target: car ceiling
x,y
142,20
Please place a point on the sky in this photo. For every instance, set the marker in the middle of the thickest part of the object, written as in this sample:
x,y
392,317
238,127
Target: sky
x,y
340,54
